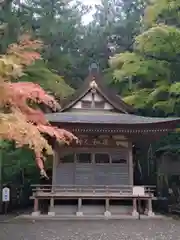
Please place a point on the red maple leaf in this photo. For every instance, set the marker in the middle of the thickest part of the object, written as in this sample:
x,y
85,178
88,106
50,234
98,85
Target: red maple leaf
x,y
21,119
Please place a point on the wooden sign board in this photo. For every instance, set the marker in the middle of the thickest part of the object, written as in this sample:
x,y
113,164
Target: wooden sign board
x,y
100,142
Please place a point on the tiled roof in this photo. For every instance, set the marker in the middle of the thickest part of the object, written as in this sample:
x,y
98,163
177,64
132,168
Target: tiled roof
x,y
105,118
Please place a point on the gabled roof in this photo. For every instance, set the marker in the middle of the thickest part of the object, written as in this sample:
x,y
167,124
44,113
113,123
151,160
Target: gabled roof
x,y
123,116
109,94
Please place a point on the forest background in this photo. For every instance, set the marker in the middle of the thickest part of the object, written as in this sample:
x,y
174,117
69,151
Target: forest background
x,y
136,43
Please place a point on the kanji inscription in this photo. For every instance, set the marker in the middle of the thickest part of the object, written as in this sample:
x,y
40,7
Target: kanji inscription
x,y
99,142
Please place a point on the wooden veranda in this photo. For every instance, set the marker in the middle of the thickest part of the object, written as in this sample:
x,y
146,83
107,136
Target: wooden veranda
x,y
106,193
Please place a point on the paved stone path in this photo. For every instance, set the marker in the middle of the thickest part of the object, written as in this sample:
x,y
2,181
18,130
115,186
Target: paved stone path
x,y
91,230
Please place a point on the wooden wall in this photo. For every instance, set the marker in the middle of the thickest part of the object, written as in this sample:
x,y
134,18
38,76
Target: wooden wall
x,y
91,172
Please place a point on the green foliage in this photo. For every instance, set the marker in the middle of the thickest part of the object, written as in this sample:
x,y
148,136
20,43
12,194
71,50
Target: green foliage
x,y
131,65
169,144
18,163
70,47
57,23
59,26
51,82
160,41
164,11
153,66
175,89
13,160
138,98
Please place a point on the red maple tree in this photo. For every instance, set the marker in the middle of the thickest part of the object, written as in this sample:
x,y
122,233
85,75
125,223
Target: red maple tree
x,y
21,120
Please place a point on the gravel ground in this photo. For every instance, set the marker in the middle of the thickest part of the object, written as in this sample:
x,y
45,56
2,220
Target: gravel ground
x,y
92,230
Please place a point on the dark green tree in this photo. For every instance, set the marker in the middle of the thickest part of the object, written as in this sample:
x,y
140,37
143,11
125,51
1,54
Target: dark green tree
x,y
114,25
58,23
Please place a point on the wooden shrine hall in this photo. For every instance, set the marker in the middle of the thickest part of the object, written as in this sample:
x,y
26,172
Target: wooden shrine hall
x,y
99,168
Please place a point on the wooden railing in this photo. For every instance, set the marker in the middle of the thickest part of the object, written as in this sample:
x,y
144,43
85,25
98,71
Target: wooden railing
x,y
150,190
81,189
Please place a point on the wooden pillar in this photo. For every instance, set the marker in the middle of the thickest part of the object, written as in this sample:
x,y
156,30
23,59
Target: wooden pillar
x,y
74,168
36,207
130,164
55,163
134,213
52,203
93,158
54,171
107,212
107,204
52,210
79,212
79,204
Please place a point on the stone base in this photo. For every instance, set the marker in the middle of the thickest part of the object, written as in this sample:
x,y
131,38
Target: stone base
x,y
35,214
135,214
146,212
107,214
79,214
52,214
150,214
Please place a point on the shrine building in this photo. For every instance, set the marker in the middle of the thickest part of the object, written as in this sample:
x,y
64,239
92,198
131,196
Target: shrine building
x,y
95,176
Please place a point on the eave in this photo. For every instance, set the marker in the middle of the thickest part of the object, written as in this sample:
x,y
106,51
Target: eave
x,y
102,118
105,123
